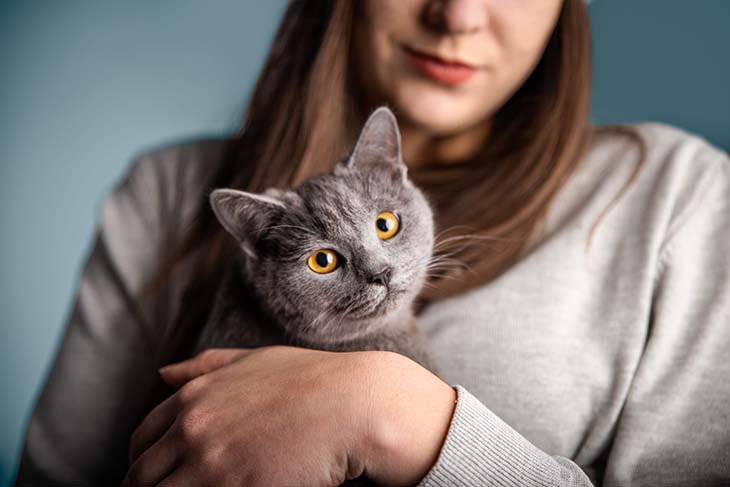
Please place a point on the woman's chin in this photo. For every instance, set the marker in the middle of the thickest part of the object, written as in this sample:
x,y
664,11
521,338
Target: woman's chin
x,y
438,112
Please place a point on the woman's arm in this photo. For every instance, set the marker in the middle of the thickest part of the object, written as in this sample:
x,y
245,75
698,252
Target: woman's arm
x,y
675,424
103,367
479,448
292,416
93,397
275,415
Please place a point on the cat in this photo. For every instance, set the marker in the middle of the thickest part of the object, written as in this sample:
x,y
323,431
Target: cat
x,y
335,264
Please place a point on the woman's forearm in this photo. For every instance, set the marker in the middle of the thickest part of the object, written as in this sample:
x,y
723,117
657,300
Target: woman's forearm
x,y
408,410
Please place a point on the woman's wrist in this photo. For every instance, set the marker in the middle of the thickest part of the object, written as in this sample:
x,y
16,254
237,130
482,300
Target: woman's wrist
x,y
408,412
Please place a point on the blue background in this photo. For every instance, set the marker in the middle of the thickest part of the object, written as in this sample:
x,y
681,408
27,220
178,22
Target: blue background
x,y
84,86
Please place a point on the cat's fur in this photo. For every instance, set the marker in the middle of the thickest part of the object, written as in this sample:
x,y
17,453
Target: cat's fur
x,y
270,296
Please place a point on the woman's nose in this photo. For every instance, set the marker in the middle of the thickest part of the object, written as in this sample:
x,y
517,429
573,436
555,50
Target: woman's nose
x,y
455,16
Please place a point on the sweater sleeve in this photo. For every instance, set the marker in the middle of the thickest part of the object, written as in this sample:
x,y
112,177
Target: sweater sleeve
x,y
675,425
481,449
79,429
674,428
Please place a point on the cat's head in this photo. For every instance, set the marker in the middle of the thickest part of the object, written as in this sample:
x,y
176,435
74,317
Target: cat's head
x,y
344,251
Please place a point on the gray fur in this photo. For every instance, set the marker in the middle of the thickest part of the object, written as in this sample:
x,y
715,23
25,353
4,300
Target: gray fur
x,y
270,295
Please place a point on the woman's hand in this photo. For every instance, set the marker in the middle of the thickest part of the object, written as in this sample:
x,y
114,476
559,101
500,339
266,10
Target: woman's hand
x,y
292,416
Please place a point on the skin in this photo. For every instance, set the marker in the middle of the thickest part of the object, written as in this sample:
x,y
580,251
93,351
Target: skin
x,y
291,416
503,39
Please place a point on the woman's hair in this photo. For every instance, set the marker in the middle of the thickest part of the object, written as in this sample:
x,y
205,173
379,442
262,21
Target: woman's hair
x,y
305,112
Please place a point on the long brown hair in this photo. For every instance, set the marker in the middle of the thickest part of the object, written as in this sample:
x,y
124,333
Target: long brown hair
x,y
304,114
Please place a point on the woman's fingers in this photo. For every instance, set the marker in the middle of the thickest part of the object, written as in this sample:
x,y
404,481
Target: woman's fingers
x,y
153,427
206,361
154,464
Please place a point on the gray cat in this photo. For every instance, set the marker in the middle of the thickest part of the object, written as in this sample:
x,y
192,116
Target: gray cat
x,y
335,264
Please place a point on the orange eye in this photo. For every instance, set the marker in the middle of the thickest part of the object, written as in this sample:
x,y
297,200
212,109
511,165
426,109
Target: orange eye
x,y
387,225
322,261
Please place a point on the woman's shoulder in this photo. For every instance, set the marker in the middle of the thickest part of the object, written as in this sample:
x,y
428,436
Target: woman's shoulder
x,y
163,184
674,167
663,146
180,162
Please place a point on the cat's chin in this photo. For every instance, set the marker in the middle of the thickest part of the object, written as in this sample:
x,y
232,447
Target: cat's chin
x,y
368,319
391,302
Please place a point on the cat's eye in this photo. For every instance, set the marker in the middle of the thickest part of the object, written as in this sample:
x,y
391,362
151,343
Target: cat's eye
x,y
322,261
387,225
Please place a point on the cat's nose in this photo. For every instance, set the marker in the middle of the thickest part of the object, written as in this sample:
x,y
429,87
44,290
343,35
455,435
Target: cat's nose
x,y
382,277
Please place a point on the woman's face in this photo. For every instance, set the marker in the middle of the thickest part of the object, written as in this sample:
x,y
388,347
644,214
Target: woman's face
x,y
448,65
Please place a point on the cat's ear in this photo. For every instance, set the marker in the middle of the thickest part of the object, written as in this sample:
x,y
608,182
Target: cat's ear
x,y
245,214
379,144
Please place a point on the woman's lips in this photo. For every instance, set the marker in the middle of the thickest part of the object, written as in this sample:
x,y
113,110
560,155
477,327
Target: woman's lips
x,y
442,71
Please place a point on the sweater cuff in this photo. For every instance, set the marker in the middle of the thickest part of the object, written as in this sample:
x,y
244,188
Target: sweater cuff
x,y
481,449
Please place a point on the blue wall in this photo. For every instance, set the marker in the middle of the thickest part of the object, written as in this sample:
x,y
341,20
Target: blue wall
x,y
86,85
666,60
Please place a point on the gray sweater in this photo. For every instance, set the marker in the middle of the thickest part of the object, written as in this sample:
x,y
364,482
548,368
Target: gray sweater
x,y
605,365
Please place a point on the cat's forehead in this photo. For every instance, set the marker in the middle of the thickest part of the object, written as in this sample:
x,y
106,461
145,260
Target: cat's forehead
x,y
333,203
355,186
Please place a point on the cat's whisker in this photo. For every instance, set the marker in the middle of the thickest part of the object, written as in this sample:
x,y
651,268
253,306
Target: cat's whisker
x,y
445,260
443,276
311,325
446,266
463,243
467,236
446,255
439,265
446,250
445,269
442,263
431,286
466,241
345,313
450,271
454,227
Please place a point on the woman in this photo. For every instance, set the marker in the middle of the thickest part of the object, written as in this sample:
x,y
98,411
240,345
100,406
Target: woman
x,y
584,336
